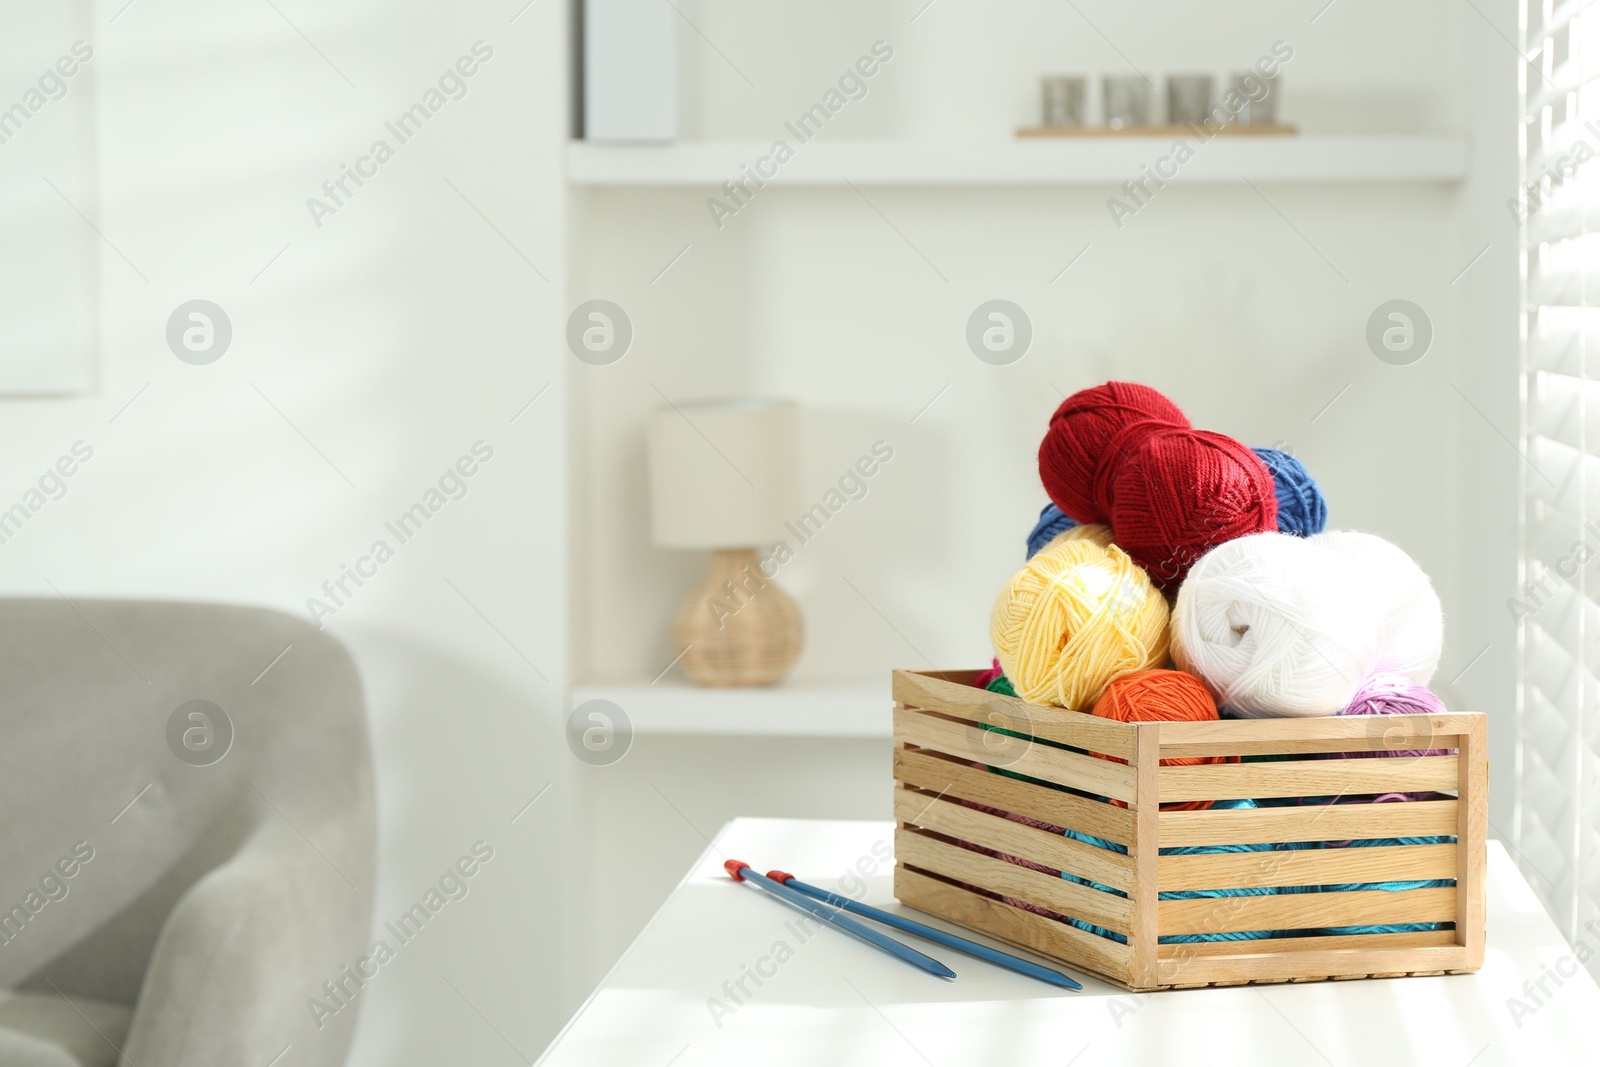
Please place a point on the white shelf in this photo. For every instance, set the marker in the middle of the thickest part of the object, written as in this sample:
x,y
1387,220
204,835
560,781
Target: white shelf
x,y
1034,161
857,709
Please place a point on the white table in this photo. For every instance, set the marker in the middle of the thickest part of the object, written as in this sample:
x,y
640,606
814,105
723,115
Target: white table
x,y
837,1002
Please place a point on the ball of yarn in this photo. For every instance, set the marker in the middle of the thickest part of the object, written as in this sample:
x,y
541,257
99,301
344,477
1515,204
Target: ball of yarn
x,y
988,675
1076,617
1275,625
1052,521
1081,431
1178,493
1162,696
1002,685
1092,532
1387,693
1413,620
1301,509
1157,695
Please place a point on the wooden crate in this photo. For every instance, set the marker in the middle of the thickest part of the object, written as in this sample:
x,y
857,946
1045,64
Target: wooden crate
x,y
957,767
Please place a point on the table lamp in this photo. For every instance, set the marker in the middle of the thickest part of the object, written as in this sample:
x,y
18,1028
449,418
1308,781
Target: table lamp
x,y
724,476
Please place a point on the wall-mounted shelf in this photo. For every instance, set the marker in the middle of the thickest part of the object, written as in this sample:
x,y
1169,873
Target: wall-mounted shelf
x,y
858,709
1032,161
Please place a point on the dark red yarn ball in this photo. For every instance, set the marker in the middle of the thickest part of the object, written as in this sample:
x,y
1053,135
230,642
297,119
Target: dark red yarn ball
x,y
1177,493
1123,443
1080,433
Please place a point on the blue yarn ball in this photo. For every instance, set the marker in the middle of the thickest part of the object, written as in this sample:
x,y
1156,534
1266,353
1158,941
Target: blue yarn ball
x,y
1052,521
1301,509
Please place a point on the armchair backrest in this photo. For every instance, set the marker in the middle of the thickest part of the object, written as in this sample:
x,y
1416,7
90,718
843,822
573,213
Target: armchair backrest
x,y
110,812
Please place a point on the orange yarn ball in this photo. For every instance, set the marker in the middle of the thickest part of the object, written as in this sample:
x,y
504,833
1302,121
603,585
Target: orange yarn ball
x,y
1158,696
1163,696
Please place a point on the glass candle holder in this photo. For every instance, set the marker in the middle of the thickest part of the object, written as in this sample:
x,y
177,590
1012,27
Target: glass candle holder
x,y
1062,101
1260,94
1127,101
1188,98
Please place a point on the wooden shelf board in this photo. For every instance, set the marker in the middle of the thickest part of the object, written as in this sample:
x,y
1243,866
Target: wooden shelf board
x,y
1259,129
853,709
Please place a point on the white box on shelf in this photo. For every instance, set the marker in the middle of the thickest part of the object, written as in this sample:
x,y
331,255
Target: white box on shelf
x,y
630,70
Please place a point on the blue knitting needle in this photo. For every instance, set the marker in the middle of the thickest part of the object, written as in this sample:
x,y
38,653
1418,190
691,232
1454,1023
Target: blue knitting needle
x,y
937,936
741,872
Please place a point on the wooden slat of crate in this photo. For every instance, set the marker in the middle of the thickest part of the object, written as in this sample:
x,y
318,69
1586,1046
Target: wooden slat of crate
x,y
1288,966
1472,830
927,690
1235,781
968,678
1098,776
1145,850
1194,964
1035,933
1360,907
1354,733
1015,839
1324,943
945,776
1337,866
1330,822
1310,749
1007,879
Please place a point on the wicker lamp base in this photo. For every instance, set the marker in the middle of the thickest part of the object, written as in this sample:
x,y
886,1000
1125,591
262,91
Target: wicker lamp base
x,y
737,628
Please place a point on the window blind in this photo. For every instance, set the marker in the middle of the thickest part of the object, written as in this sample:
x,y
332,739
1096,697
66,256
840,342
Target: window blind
x,y
1557,777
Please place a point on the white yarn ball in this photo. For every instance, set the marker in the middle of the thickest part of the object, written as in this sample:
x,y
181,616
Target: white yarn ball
x,y
1275,625
1412,639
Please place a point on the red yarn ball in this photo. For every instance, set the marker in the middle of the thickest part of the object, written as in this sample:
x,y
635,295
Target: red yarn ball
x,y
1177,493
1123,443
1079,434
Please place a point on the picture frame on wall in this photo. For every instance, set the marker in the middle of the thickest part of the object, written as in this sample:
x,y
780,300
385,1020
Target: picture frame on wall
x,y
49,284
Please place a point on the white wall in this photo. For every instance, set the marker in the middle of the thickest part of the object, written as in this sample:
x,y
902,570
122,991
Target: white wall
x,y
1485,302
394,337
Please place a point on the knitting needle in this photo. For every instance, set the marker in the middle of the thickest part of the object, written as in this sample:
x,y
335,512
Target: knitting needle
x,y
741,871
910,926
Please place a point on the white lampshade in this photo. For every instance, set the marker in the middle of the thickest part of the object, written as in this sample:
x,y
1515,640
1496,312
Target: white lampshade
x,y
723,473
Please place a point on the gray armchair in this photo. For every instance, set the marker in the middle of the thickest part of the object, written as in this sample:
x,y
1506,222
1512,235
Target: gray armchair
x,y
156,905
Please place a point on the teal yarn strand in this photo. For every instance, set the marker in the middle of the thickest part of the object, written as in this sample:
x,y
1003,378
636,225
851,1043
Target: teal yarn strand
x,y
1183,894
1391,887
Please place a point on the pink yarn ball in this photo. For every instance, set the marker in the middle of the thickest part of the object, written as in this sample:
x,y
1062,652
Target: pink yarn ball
x,y
1395,694
1018,860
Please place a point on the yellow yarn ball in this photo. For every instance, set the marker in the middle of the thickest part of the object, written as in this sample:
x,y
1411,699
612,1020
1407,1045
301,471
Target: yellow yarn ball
x,y
1075,618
